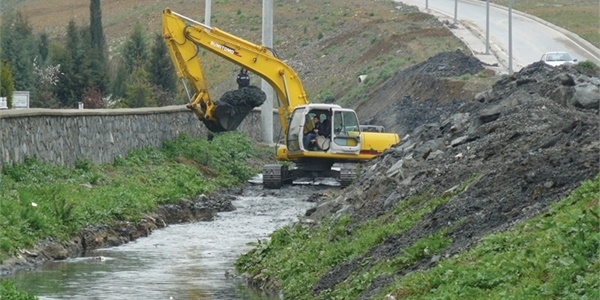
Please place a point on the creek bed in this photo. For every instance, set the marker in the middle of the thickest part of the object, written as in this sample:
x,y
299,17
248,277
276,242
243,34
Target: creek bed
x,y
185,261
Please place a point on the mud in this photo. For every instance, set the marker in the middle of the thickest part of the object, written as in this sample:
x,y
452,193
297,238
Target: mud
x,y
231,109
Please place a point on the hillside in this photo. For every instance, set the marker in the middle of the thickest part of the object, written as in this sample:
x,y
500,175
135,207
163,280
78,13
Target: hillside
x,y
328,43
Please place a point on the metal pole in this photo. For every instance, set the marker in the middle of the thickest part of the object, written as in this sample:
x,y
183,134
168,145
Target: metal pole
x,y
266,112
455,10
427,4
207,9
510,60
487,27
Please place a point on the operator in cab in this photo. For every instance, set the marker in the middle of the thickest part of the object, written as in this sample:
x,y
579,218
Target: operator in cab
x,y
311,137
243,79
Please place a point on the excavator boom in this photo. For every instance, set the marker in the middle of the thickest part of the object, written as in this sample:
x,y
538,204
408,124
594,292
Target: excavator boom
x,y
341,140
183,40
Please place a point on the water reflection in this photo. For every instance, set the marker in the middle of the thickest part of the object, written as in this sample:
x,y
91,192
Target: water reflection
x,y
187,261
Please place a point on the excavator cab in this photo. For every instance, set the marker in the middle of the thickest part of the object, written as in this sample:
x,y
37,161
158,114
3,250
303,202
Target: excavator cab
x,y
343,136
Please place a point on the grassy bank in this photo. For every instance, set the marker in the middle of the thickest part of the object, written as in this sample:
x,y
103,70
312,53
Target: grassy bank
x,y
38,200
555,255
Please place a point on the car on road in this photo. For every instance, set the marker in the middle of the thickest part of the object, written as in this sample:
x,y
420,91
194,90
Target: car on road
x,y
558,58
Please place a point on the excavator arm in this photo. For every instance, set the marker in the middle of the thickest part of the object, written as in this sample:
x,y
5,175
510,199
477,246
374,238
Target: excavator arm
x,y
185,36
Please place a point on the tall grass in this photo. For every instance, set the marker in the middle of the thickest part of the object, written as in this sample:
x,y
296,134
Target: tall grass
x,y
38,200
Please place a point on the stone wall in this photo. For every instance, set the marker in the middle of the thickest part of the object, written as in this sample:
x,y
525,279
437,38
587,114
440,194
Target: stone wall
x,y
68,135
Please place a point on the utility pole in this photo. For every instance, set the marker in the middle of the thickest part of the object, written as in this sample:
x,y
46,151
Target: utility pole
x,y
207,12
510,60
487,27
266,112
455,10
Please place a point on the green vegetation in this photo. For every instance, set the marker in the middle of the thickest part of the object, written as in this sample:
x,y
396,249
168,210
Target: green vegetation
x,y
8,291
38,200
296,257
554,255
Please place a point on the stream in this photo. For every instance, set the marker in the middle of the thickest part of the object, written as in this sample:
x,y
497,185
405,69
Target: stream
x,y
185,261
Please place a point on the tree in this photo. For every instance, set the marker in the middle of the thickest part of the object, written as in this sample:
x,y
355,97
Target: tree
x,y
46,78
161,70
135,52
96,31
75,74
120,81
138,89
7,84
97,55
92,98
43,47
18,48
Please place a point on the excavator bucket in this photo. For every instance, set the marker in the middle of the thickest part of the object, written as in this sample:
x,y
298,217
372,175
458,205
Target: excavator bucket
x,y
233,107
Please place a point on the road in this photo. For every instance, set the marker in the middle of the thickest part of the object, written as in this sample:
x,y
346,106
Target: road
x,y
531,37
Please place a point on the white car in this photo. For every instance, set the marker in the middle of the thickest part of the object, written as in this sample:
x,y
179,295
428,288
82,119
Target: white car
x,y
558,58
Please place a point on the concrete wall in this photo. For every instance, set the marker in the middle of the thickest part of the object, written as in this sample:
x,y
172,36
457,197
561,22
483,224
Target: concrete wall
x,y
68,135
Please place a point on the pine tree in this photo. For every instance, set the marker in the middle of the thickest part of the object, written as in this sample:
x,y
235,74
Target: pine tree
x,y
161,70
74,78
97,55
18,48
119,82
136,52
97,33
43,47
138,89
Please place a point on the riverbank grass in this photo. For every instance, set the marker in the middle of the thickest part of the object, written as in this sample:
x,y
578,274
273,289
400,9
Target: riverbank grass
x,y
39,200
8,291
554,255
296,257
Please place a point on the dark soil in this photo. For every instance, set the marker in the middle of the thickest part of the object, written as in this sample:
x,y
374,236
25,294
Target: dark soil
x,y
526,142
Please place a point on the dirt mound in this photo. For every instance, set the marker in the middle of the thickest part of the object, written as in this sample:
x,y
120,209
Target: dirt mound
x,y
519,146
419,94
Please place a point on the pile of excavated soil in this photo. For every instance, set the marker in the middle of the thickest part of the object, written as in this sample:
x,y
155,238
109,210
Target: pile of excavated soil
x,y
421,93
526,142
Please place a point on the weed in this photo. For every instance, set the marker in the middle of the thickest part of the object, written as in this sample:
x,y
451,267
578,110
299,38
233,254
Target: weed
x,y
465,77
296,257
38,200
554,255
9,291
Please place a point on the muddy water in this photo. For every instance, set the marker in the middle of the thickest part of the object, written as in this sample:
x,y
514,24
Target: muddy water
x,y
188,261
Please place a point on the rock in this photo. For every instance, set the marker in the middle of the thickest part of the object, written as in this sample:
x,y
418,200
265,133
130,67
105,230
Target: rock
x,y
587,96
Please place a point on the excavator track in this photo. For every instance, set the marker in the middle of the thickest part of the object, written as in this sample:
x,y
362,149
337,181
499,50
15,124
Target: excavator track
x,y
273,176
347,174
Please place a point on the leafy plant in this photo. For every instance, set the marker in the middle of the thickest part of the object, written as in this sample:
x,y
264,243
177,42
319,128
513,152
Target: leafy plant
x,y
554,255
8,291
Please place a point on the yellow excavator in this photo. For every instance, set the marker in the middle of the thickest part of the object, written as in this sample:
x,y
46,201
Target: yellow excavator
x,y
332,154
